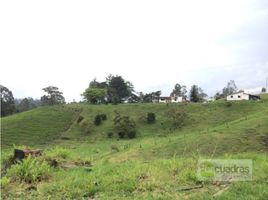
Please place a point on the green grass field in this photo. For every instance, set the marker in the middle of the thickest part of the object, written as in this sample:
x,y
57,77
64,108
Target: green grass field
x,y
160,163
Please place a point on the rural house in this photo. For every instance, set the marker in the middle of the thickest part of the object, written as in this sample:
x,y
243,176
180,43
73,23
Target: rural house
x,y
173,99
242,96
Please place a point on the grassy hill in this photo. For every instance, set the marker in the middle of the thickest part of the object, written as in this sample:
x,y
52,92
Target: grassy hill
x,y
158,164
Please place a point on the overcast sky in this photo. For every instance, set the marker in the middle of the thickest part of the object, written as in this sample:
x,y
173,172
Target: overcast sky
x,y
154,44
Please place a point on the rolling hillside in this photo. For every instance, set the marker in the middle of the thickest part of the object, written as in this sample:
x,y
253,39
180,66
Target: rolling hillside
x,y
157,164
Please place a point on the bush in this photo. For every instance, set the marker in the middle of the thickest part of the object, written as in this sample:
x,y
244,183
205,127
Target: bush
x,y
121,134
142,117
57,153
110,134
228,104
80,118
125,126
4,181
29,170
178,117
103,116
86,126
97,120
115,148
131,134
150,118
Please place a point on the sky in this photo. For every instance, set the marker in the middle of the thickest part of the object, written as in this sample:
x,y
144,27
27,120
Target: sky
x,y
153,44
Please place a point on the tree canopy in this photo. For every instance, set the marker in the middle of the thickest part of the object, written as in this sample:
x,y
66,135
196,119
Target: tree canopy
x,y
197,94
7,101
95,95
179,90
53,96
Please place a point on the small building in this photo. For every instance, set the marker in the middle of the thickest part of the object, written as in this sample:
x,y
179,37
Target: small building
x,y
164,99
242,96
176,99
173,99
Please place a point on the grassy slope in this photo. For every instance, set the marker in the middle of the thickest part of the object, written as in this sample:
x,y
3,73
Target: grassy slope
x,y
35,127
159,161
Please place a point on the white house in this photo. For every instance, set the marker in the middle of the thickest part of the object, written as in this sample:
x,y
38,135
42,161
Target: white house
x,y
164,99
242,96
173,99
176,99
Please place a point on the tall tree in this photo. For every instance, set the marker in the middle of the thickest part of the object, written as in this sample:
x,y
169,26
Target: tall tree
x,y
7,101
229,89
194,94
179,90
263,90
202,94
95,84
118,89
156,94
24,105
53,97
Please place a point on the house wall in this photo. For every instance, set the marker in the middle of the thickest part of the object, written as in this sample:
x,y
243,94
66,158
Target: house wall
x,y
238,97
162,100
176,99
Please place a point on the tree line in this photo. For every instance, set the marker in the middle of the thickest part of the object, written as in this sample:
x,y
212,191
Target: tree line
x,y
115,89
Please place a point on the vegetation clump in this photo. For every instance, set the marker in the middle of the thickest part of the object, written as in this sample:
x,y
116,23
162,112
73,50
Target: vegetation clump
x,y
80,118
103,116
228,104
151,118
110,134
97,120
125,126
178,117
86,126
29,170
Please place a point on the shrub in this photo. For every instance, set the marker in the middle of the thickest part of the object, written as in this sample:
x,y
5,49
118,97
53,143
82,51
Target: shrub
x,y
228,104
125,126
97,120
29,170
131,134
178,117
150,118
86,126
4,181
115,148
57,153
110,134
142,117
80,118
103,116
121,134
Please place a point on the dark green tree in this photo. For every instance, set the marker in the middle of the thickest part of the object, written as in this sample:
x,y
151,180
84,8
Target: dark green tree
x,y
7,101
118,89
95,84
24,105
194,95
53,97
197,94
